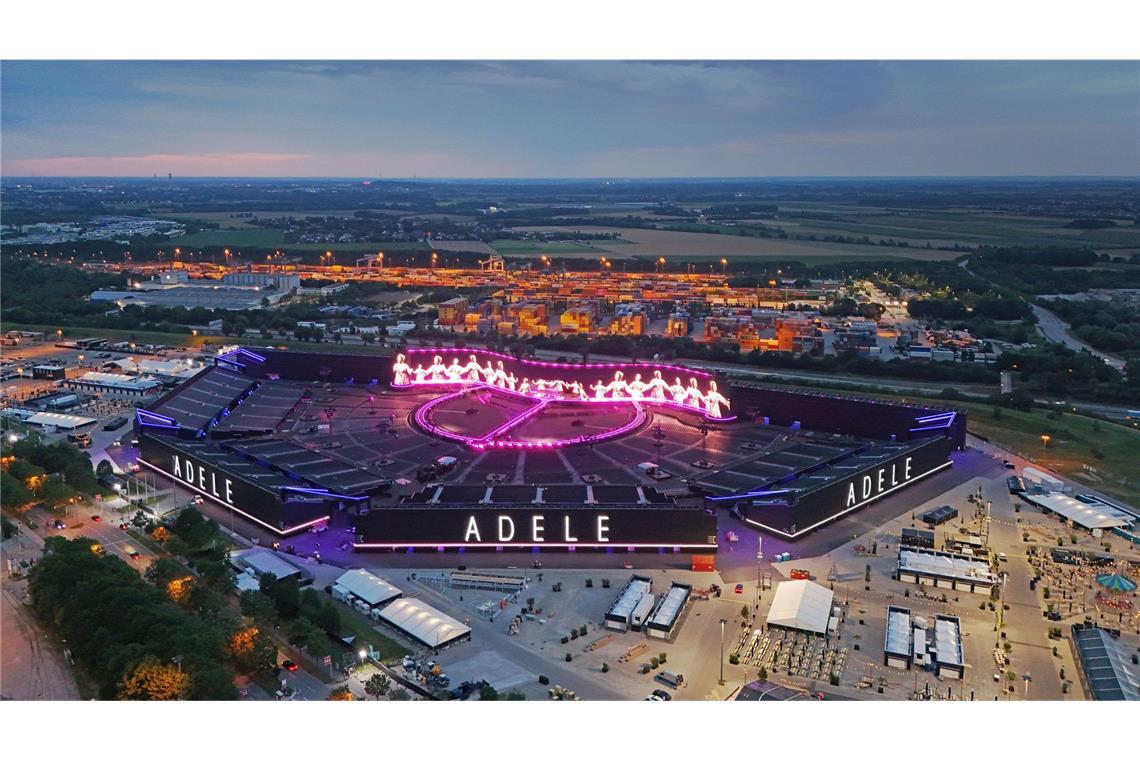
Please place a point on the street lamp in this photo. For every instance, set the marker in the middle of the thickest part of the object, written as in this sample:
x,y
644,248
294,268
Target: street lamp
x,y
1045,441
722,623
724,266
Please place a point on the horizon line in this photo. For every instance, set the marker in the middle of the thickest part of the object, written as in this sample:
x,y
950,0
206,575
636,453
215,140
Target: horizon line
x,y
603,178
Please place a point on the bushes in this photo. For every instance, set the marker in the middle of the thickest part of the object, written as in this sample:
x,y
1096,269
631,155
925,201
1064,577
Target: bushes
x,y
605,667
544,680
582,630
733,659
645,668
569,657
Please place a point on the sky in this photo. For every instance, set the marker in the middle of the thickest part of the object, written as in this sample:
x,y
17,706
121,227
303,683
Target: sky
x,y
489,119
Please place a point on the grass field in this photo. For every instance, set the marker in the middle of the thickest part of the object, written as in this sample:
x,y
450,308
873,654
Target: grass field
x,y
1112,449
254,238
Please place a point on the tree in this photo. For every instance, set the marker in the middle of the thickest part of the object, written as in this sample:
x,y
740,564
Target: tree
x,y
251,649
487,693
179,589
104,469
400,695
155,681
340,694
744,612
378,685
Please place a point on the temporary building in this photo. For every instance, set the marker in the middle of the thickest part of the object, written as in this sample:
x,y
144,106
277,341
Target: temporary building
x,y
801,605
1088,515
367,587
424,623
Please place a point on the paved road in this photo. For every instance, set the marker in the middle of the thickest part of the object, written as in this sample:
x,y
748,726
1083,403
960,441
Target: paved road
x,y
1057,330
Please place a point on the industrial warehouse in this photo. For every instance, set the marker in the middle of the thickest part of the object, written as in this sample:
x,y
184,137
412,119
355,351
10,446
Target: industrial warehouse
x,y
296,437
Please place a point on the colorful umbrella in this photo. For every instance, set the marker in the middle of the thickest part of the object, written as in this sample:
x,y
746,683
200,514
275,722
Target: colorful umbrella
x,y
1116,582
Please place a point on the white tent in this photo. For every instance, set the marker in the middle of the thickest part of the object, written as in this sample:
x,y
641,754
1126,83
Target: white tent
x,y
802,605
367,587
424,622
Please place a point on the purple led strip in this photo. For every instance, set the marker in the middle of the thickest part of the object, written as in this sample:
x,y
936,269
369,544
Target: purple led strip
x,y
488,441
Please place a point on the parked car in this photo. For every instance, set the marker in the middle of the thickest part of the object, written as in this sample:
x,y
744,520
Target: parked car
x,y
59,525
289,665
663,695
96,518
739,588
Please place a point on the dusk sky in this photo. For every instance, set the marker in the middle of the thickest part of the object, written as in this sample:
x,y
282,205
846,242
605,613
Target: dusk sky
x,y
569,119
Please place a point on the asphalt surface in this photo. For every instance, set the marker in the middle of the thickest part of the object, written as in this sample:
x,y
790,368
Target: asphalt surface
x,y
1057,330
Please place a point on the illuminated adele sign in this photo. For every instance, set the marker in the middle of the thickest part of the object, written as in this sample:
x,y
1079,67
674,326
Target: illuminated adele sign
x,y
577,527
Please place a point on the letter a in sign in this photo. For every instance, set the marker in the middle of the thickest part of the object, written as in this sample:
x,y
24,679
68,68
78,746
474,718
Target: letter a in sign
x,y
472,530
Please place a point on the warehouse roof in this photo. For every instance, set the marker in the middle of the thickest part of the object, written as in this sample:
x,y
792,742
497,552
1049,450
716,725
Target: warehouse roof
x,y
898,631
671,605
945,564
803,605
263,561
1087,515
636,587
366,586
66,421
1107,664
121,382
423,622
948,640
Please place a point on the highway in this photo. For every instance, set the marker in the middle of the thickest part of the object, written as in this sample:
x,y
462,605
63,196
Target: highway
x,y
1056,330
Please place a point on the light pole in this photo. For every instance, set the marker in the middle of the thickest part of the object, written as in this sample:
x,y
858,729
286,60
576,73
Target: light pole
x,y
722,623
1045,441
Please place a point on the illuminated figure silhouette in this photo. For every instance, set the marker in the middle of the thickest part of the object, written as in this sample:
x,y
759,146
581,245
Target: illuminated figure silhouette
x,y
636,388
539,387
401,371
656,387
714,401
579,389
599,390
420,373
694,397
500,376
437,370
472,369
454,371
617,387
511,380
524,386
678,391
488,374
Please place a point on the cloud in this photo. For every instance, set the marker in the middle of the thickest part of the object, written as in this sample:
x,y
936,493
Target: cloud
x,y
186,165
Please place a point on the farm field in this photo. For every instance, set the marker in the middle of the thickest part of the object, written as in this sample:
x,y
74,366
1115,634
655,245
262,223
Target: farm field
x,y
967,229
591,248
254,238
470,246
649,243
